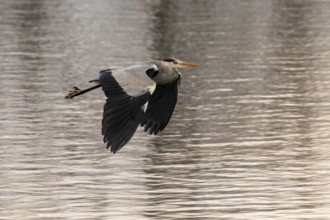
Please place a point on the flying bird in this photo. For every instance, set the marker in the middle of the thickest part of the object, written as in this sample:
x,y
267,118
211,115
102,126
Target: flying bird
x,y
143,94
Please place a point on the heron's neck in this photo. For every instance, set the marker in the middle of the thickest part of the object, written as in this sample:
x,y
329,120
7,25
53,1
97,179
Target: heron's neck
x,y
177,73
169,76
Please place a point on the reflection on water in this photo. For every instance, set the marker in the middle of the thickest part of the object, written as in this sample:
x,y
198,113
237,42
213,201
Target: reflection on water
x,y
249,137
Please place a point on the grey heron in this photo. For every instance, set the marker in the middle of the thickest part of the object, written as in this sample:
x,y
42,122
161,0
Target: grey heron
x,y
143,94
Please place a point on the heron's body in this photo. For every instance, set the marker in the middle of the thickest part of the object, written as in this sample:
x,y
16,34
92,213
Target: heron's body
x,y
144,94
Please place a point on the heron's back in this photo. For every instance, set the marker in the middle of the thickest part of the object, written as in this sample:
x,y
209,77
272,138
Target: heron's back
x,y
134,79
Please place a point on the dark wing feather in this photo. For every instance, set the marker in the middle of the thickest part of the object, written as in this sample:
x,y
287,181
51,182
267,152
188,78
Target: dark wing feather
x,y
160,107
122,113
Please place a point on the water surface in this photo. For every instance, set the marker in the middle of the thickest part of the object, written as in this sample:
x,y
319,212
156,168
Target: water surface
x,y
249,138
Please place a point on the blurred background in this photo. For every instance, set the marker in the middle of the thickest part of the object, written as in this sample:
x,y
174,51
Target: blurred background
x,y
249,138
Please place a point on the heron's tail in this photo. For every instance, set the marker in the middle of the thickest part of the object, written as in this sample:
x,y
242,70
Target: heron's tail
x,y
95,81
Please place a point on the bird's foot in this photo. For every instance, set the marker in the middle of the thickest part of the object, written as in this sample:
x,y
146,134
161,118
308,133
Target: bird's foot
x,y
72,93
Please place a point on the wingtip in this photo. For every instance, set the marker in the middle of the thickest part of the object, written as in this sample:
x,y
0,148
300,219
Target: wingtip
x,y
109,146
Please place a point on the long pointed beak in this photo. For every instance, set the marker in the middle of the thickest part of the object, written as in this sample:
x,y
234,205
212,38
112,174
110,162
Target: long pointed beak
x,y
184,64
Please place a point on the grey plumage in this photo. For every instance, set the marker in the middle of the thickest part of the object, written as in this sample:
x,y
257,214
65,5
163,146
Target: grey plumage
x,y
144,94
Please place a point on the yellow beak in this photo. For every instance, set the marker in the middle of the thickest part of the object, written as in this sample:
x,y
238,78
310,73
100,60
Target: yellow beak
x,y
184,64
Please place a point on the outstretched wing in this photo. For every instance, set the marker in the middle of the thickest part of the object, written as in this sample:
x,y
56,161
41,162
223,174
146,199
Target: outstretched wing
x,y
122,110
160,107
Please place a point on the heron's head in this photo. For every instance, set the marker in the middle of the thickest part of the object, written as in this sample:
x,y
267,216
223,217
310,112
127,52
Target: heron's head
x,y
168,69
176,64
